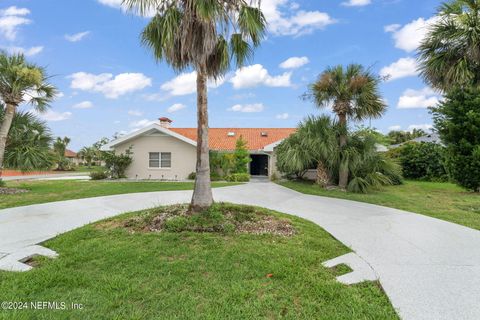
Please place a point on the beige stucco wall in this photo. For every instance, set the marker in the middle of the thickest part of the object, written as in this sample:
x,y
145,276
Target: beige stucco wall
x,y
183,157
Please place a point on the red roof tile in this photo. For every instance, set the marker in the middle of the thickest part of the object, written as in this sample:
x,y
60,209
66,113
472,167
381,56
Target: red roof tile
x,y
70,154
219,138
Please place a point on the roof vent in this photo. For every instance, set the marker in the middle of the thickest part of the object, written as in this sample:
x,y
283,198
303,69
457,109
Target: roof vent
x,y
231,134
264,134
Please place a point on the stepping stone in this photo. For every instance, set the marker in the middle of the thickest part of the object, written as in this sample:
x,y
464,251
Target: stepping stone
x,y
361,270
15,261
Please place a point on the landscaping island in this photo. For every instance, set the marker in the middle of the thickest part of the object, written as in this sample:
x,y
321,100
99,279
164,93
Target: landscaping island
x,y
240,261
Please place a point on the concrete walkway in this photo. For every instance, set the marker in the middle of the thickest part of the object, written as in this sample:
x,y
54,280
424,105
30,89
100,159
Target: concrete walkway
x,y
429,268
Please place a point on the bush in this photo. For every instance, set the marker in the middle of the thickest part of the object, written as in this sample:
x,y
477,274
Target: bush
x,y
192,176
98,175
117,164
422,161
457,120
238,177
2,183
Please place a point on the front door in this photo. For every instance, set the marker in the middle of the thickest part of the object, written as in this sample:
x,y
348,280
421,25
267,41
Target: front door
x,y
259,165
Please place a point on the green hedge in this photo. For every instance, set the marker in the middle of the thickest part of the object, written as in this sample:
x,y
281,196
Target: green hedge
x,y
238,177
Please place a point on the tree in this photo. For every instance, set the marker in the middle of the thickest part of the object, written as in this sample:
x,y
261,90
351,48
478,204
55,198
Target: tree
x,y
449,55
88,154
457,120
59,148
20,82
206,36
28,143
241,156
117,164
353,93
398,137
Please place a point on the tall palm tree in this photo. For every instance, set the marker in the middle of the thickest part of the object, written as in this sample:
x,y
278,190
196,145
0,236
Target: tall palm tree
x,y
449,55
20,82
88,154
353,93
205,35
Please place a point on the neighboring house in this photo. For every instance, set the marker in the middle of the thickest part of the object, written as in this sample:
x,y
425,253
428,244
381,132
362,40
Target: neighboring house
x,y
72,157
428,138
166,153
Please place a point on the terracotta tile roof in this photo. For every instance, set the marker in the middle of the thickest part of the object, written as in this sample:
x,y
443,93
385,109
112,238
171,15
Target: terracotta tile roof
x,y
219,138
70,154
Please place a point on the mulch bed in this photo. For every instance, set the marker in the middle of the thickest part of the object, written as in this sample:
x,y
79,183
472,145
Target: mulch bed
x,y
11,191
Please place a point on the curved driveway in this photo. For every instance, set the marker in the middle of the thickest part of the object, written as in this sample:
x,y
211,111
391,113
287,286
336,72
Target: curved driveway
x,y
429,268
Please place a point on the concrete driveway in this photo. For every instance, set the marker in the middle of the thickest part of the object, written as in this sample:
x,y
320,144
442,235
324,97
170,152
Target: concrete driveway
x,y
429,268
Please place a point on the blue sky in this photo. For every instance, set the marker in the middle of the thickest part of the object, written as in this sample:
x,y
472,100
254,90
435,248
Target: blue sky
x,y
110,84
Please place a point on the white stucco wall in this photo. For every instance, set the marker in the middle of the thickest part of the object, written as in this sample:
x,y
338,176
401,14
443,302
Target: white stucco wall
x,y
183,157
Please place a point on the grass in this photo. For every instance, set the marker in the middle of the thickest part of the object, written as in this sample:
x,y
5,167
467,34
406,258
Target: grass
x,y
119,274
86,169
49,191
444,201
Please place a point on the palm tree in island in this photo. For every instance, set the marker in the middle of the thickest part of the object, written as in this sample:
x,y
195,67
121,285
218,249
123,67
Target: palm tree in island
x,y
449,55
20,82
352,92
206,36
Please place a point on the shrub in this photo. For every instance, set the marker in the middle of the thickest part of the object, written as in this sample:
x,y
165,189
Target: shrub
x,y
192,176
457,120
241,156
2,183
423,161
117,164
98,175
238,177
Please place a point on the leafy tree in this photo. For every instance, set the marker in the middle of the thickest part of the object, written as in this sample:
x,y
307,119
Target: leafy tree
x,y
457,120
353,94
117,164
449,54
59,147
423,161
206,36
241,156
88,154
28,143
20,82
398,137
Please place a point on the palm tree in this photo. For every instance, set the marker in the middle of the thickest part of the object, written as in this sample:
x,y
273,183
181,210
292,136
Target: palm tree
x,y
60,147
20,82
206,36
88,154
449,55
353,93
28,145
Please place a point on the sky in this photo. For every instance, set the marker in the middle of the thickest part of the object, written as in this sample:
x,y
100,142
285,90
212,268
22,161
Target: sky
x,y
109,83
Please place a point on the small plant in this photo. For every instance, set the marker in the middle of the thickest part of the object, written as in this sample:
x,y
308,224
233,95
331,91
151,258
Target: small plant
x,y
2,183
241,156
117,164
192,176
98,175
238,177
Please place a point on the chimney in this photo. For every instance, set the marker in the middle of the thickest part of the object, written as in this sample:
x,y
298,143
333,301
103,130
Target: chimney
x,y
165,122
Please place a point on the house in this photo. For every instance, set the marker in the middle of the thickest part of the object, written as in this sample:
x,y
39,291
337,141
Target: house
x,y
72,157
163,152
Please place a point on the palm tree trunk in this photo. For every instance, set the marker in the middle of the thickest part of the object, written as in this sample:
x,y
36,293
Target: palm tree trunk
x,y
202,193
323,178
343,173
4,129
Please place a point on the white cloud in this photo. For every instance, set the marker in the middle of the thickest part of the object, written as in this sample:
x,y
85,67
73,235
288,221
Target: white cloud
x,y
247,108
112,87
135,113
409,36
284,18
404,67
424,127
184,84
395,128
256,75
136,125
29,52
77,36
11,19
83,105
294,62
282,116
117,4
356,3
415,99
53,116
176,107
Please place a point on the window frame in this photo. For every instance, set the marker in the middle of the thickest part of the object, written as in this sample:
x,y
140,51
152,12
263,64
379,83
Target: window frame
x,y
159,159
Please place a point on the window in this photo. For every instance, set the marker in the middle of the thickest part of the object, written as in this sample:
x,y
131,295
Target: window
x,y
160,160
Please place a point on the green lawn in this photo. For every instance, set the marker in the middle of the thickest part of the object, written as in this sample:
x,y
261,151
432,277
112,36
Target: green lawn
x,y
444,201
87,169
117,274
48,191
